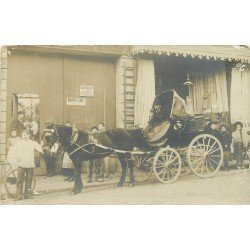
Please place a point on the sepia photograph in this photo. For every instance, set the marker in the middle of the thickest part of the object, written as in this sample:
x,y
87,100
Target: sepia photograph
x,y
125,124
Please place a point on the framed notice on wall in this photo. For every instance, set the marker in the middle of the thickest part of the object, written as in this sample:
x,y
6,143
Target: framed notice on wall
x,y
76,101
86,91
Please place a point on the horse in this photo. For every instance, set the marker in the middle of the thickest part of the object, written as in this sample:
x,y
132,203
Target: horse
x,y
80,148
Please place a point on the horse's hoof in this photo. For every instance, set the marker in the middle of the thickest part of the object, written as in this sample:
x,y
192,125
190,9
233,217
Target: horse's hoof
x,y
131,184
119,184
72,192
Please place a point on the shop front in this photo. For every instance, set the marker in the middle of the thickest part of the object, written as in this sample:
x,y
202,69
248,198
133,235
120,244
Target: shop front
x,y
208,78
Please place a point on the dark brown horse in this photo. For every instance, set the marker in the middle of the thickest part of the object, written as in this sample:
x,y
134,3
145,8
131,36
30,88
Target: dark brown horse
x,y
81,149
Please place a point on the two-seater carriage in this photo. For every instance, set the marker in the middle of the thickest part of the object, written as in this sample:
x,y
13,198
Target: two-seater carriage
x,y
182,140
175,140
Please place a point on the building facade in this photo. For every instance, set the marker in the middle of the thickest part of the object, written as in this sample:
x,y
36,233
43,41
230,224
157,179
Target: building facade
x,y
86,85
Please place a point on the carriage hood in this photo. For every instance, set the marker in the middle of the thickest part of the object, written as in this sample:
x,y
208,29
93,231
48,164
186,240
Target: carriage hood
x,y
168,104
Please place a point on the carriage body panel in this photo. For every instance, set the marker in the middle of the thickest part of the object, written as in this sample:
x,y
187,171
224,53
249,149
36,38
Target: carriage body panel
x,y
171,124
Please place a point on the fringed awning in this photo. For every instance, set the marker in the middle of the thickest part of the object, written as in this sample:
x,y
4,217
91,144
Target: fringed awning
x,y
209,52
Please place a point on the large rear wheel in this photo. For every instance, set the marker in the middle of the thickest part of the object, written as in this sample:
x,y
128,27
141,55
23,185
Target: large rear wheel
x,y
205,155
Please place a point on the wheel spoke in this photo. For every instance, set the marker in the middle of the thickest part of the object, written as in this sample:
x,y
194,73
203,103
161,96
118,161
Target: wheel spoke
x,y
212,147
171,172
161,171
200,158
202,167
198,165
214,151
206,163
170,157
208,143
211,165
164,174
214,161
176,158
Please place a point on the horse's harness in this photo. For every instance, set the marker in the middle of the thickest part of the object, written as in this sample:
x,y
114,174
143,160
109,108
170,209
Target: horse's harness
x,y
74,138
73,141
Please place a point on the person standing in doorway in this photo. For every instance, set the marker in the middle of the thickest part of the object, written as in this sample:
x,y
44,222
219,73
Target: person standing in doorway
x,y
240,143
106,161
18,124
226,140
24,153
50,152
98,164
68,168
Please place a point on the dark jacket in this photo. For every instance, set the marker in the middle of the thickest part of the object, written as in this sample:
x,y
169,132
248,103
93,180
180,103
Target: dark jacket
x,y
18,126
226,140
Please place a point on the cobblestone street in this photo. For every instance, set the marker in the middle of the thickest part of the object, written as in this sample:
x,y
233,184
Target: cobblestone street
x,y
226,188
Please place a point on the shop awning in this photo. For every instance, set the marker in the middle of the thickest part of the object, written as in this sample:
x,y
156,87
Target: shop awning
x,y
209,52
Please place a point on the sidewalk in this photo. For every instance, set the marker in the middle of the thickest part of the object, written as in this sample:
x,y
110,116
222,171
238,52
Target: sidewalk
x,y
56,184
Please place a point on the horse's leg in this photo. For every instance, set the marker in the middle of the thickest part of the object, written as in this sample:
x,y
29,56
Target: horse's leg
x,y
131,172
90,171
124,169
78,185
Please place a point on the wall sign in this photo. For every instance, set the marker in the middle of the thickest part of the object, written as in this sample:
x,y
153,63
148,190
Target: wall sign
x,y
86,91
76,101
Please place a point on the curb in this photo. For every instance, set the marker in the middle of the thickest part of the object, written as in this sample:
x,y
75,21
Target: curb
x,y
60,190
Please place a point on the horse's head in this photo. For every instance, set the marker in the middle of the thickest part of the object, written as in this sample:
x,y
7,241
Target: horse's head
x,y
50,135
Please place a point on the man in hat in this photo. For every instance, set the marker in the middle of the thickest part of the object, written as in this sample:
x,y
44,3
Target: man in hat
x,y
213,129
98,164
226,140
18,124
240,143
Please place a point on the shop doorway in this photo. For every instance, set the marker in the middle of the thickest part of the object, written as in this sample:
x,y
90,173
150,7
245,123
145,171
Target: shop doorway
x,y
208,94
29,104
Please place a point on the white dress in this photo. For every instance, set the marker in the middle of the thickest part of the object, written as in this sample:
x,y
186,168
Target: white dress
x,y
67,162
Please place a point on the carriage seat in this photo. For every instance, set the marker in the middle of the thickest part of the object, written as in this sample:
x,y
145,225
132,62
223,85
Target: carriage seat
x,y
156,132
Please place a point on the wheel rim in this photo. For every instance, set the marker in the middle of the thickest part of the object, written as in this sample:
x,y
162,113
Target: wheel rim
x,y
205,155
10,183
142,168
167,165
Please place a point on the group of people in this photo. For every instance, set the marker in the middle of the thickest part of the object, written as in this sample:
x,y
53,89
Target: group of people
x,y
20,124
55,155
235,143
21,146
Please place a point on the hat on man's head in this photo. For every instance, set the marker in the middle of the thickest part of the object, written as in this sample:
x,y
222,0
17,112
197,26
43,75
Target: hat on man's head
x,y
224,125
238,123
214,122
20,113
94,127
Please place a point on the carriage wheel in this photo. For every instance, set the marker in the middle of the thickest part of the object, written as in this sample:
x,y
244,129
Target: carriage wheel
x,y
142,168
167,165
205,155
10,183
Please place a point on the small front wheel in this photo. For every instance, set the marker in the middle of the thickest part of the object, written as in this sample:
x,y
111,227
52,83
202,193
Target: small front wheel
x,y
167,165
142,168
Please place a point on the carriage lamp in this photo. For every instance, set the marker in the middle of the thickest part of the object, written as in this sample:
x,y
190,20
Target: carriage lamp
x,y
188,82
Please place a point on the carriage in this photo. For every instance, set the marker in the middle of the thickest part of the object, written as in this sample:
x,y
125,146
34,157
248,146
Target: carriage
x,y
182,141
175,142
